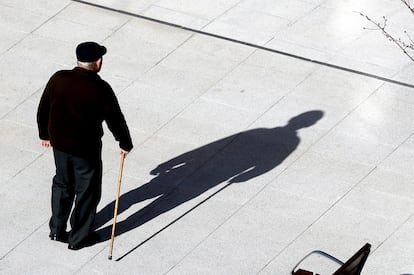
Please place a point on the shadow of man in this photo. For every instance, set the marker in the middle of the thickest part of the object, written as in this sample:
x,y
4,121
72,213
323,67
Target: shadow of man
x,y
234,159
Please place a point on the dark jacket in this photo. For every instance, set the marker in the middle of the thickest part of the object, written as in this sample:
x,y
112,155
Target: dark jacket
x,y
71,111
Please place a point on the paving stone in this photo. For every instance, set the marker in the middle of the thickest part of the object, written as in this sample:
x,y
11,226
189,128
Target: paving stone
x,y
246,159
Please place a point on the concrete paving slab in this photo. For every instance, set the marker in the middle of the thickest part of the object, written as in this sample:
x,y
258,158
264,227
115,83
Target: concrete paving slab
x,y
356,224
334,88
325,179
379,180
147,121
195,133
348,240
367,62
41,7
180,18
209,10
352,148
74,31
23,114
292,10
188,82
6,107
324,29
15,160
245,249
92,18
149,97
226,117
341,248
399,160
19,20
398,244
10,38
330,26
290,106
379,124
140,50
378,203
191,230
55,257
247,25
253,88
220,181
19,135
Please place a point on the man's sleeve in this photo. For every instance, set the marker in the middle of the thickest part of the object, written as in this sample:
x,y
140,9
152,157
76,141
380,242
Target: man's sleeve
x,y
43,113
116,122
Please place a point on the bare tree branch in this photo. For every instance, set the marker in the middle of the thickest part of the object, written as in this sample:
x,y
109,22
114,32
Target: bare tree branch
x,y
407,3
409,37
404,46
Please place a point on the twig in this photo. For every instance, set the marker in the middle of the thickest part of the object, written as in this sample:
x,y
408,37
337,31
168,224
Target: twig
x,y
407,3
399,42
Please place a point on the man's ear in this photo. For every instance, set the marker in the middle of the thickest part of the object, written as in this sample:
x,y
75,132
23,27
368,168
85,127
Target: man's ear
x,y
98,64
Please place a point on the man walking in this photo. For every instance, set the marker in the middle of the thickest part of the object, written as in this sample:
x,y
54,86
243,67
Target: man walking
x,y
70,114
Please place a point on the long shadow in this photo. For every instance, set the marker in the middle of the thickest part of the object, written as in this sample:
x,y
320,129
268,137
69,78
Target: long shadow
x,y
234,159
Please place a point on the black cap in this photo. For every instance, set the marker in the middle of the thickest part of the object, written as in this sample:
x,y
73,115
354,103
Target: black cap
x,y
89,51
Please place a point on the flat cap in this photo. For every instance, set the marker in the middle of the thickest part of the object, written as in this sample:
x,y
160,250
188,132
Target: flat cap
x,y
89,51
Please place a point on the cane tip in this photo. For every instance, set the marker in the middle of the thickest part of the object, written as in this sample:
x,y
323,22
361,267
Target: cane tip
x,y
109,257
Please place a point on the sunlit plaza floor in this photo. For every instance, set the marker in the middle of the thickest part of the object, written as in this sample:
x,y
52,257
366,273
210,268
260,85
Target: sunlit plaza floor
x,y
263,130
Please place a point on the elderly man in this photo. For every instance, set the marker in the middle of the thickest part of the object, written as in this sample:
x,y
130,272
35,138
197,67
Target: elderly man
x,y
70,114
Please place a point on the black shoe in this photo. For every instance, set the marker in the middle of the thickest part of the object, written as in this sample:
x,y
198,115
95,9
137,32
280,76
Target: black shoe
x,y
75,247
61,237
91,240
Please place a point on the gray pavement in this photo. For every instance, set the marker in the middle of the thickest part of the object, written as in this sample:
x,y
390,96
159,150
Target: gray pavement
x,y
225,178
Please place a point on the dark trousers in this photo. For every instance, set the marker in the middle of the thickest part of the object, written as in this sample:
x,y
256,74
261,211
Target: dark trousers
x,y
77,180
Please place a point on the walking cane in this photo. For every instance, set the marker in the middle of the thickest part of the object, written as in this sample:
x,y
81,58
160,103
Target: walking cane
x,y
116,206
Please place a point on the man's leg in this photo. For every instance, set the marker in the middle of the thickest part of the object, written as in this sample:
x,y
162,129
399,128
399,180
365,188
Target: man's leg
x,y
63,193
88,178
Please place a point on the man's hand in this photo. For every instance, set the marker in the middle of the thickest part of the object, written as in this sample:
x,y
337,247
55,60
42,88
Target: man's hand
x,y
122,151
45,143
